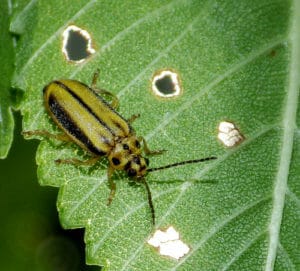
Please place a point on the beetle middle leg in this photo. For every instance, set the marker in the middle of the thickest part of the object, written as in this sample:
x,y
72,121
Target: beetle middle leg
x,y
115,101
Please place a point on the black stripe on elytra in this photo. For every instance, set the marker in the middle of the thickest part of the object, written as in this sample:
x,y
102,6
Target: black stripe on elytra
x,y
79,100
66,121
111,108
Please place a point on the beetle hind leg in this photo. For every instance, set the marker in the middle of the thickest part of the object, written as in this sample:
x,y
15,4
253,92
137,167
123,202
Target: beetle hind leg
x,y
59,137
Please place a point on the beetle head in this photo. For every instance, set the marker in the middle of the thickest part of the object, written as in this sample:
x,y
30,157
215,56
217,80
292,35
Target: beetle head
x,y
127,155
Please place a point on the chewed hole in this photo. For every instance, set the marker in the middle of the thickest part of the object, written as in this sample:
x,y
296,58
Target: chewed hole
x,y
77,44
166,84
229,134
169,244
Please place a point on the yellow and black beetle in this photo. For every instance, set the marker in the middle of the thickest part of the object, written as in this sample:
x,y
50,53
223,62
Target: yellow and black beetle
x,y
94,124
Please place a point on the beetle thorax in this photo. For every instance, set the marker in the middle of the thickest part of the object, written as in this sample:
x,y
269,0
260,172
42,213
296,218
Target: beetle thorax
x,y
127,155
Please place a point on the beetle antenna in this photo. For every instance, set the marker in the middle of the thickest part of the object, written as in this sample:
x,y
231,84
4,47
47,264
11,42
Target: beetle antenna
x,y
149,200
182,163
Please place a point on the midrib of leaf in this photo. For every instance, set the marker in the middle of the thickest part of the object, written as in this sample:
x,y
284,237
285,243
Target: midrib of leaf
x,y
289,126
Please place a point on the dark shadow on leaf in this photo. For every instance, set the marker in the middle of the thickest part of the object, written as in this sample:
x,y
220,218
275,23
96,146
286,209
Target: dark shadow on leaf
x,y
202,181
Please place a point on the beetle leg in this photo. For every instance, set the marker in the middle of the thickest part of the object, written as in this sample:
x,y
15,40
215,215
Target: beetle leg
x,y
149,199
115,101
60,137
112,185
95,78
133,118
73,161
147,150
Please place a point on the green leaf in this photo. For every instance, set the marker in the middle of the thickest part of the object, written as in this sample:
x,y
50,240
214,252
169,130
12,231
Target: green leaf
x,y
7,62
238,61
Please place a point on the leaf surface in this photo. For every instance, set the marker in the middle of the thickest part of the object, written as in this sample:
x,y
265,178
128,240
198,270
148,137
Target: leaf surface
x,y
238,61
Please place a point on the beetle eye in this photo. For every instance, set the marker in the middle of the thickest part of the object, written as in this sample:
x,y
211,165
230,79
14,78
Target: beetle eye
x,y
131,172
125,147
115,161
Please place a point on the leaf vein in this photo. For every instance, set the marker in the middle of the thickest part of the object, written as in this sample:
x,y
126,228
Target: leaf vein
x,y
218,226
86,196
287,257
242,251
293,197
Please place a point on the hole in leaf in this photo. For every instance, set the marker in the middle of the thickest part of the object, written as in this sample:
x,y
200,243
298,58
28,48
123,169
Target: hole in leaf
x,y
168,243
229,135
77,44
166,84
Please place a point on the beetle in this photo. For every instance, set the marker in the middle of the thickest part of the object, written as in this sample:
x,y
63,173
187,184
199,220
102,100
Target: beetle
x,y
91,122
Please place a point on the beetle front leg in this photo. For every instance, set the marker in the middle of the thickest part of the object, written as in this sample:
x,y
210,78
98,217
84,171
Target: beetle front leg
x,y
147,150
